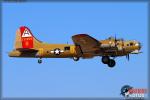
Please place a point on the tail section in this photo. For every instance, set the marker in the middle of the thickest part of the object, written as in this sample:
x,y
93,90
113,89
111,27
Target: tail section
x,y
25,38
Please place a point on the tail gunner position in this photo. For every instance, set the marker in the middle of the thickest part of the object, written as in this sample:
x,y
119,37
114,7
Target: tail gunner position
x,y
85,46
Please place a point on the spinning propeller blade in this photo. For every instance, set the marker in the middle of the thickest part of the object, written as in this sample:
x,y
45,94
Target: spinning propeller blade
x,y
128,57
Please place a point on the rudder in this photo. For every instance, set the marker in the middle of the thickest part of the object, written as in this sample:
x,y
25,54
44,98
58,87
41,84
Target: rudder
x,y
24,38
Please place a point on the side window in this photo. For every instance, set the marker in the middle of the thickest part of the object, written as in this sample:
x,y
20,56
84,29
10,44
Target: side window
x,y
66,48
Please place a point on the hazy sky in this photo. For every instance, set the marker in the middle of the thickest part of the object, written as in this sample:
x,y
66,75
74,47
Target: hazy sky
x,y
56,22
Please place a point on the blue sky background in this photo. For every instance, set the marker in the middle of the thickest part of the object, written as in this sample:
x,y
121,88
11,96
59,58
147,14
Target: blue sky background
x,y
56,22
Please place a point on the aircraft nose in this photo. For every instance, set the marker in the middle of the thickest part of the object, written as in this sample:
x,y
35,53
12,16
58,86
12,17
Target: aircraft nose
x,y
138,44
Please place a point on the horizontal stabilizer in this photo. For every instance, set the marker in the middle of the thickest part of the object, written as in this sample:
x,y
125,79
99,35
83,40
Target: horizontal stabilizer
x,y
26,50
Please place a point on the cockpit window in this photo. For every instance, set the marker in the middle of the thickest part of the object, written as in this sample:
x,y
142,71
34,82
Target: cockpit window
x,y
131,44
67,48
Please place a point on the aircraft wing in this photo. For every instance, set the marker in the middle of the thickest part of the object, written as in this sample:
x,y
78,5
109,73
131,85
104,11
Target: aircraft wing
x,y
87,44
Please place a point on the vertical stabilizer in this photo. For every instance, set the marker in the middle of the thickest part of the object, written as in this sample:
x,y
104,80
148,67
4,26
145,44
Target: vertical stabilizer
x,y
25,38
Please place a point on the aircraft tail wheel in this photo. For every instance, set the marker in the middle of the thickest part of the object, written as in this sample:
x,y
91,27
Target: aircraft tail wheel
x,y
76,58
105,59
111,63
39,61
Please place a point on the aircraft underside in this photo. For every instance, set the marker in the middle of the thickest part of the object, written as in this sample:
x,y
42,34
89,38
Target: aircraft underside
x,y
105,60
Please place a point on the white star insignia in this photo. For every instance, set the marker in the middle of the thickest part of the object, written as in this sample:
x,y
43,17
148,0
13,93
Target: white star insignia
x,y
57,51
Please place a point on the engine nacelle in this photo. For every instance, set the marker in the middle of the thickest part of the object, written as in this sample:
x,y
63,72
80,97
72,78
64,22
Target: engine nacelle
x,y
107,45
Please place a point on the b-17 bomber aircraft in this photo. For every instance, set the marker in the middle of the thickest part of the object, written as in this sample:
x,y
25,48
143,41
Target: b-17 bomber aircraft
x,y
85,46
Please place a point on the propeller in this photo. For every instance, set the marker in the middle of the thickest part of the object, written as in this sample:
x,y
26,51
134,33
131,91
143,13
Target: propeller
x,y
122,40
140,45
128,57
